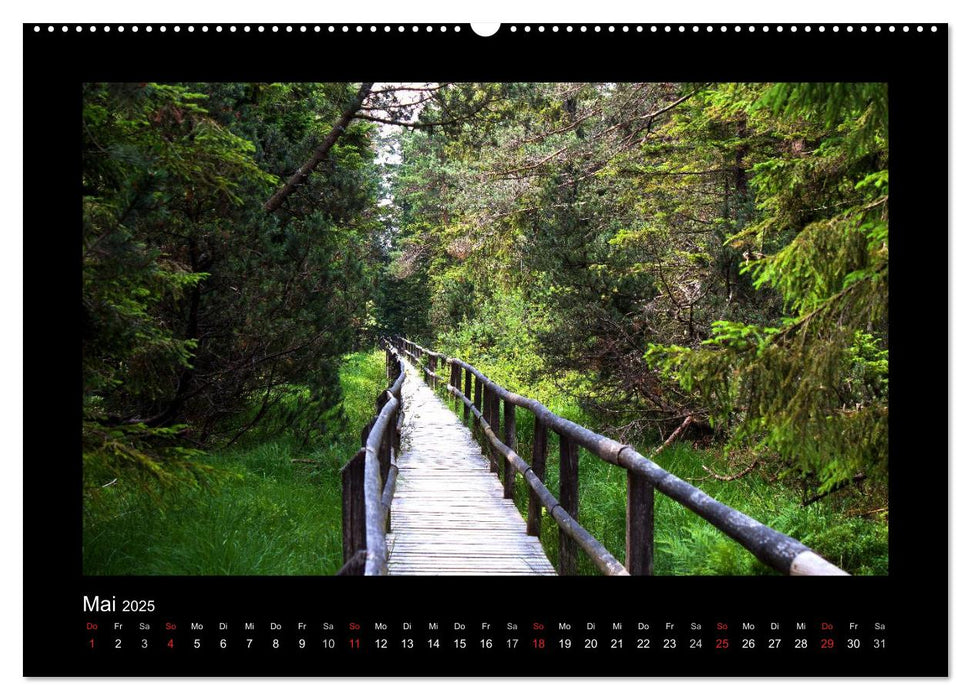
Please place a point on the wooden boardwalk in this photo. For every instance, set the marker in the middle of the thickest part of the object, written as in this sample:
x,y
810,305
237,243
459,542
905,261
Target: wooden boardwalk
x,y
448,516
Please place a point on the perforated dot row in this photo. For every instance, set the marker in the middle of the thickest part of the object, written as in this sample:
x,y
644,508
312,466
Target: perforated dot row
x,y
387,28
317,28
698,28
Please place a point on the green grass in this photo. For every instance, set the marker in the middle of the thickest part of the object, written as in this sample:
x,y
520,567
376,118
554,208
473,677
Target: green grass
x,y
262,513
685,544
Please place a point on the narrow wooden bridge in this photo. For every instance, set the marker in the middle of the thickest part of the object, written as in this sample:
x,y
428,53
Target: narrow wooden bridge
x,y
448,515
439,508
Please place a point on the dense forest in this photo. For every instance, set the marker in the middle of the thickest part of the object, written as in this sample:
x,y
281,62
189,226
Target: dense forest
x,y
699,270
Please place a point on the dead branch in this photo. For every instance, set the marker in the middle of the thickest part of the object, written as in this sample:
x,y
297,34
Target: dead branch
x,y
726,477
689,419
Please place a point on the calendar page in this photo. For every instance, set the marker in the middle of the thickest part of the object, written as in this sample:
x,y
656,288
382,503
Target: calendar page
x,y
444,350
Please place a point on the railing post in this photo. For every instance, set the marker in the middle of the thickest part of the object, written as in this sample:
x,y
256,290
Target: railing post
x,y
384,450
399,413
352,506
496,428
640,525
468,394
367,430
509,437
489,408
534,520
478,404
453,381
569,488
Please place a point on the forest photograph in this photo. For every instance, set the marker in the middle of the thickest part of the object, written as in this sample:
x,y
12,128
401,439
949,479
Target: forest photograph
x,y
696,270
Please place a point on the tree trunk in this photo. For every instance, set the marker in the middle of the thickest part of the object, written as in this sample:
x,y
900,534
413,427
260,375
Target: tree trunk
x,y
299,177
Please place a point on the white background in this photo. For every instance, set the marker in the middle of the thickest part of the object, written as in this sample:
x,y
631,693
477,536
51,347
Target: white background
x,y
13,268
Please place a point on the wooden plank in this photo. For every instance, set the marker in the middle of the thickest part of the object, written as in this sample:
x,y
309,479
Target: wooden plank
x,y
449,515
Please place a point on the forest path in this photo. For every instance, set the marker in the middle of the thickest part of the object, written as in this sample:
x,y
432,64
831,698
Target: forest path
x,y
448,516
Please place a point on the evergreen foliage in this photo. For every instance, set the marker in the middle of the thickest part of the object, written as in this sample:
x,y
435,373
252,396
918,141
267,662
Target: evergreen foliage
x,y
718,251
197,306
633,255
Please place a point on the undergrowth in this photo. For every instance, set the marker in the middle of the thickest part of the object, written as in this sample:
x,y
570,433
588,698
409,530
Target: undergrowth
x,y
270,506
843,527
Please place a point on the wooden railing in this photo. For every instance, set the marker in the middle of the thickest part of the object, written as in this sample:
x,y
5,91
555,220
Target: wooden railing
x,y
368,480
482,398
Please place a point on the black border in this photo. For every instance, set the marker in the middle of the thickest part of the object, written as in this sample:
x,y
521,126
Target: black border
x,y
912,600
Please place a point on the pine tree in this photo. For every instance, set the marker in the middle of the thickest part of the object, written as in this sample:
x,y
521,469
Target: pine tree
x,y
813,386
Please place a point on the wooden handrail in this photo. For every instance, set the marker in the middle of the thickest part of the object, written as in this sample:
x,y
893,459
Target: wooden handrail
x,y
368,480
773,548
